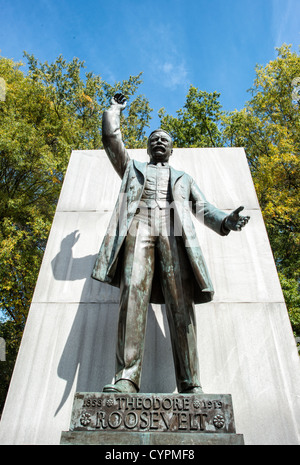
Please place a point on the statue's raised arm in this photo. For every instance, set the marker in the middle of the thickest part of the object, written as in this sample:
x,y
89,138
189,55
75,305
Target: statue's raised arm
x,y
111,134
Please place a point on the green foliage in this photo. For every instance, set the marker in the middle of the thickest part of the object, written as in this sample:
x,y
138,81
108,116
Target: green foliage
x,y
11,333
46,113
56,107
269,129
84,100
197,123
290,289
30,179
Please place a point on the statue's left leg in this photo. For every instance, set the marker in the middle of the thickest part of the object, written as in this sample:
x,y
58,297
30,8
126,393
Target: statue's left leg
x,y
177,284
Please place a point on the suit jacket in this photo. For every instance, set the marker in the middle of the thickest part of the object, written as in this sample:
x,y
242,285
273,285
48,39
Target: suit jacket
x,y
187,198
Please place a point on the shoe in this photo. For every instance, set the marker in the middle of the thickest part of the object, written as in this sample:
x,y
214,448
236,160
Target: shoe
x,y
123,385
193,390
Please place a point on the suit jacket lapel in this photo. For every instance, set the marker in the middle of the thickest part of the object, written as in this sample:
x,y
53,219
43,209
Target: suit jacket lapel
x,y
141,167
175,175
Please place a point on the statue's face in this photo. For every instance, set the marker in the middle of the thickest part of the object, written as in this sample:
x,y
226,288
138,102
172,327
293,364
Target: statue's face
x,y
160,146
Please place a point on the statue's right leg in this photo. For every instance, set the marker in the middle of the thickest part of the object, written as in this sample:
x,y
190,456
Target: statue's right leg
x,y
135,290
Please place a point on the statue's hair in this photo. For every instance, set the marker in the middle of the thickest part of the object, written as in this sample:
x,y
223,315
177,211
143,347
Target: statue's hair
x,y
159,130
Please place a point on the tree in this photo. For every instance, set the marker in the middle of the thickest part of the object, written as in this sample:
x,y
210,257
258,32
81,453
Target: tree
x,y
45,114
269,129
197,123
84,100
10,333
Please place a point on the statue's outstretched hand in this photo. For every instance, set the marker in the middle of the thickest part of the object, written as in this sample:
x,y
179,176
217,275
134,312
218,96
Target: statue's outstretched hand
x,y
235,222
119,100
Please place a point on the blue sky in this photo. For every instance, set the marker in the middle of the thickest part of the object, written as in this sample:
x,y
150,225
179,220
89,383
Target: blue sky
x,y
211,44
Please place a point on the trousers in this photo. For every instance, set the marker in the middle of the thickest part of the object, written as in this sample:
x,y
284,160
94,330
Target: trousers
x,y
151,242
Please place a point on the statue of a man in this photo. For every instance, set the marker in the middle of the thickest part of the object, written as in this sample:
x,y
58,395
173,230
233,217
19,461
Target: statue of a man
x,y
151,252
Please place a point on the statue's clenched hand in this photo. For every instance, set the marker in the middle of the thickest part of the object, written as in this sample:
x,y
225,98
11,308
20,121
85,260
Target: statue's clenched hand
x,y
235,221
119,100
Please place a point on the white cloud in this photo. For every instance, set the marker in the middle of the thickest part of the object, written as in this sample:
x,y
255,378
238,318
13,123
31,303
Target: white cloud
x,y
173,74
161,46
286,22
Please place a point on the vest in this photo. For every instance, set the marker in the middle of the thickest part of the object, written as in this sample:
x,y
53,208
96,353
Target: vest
x,y
157,189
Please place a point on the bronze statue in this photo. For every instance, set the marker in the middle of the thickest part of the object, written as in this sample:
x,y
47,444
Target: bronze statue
x,y
151,252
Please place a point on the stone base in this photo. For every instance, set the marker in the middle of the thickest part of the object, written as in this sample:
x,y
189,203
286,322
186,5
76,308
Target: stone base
x,y
149,419
106,438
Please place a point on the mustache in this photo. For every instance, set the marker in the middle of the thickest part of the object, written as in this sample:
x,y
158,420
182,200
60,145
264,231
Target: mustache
x,y
159,146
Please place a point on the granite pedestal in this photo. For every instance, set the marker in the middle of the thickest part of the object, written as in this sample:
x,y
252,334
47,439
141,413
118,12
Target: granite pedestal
x,y
245,341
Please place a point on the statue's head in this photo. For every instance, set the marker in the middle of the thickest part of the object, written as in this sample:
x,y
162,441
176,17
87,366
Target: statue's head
x,y
160,146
